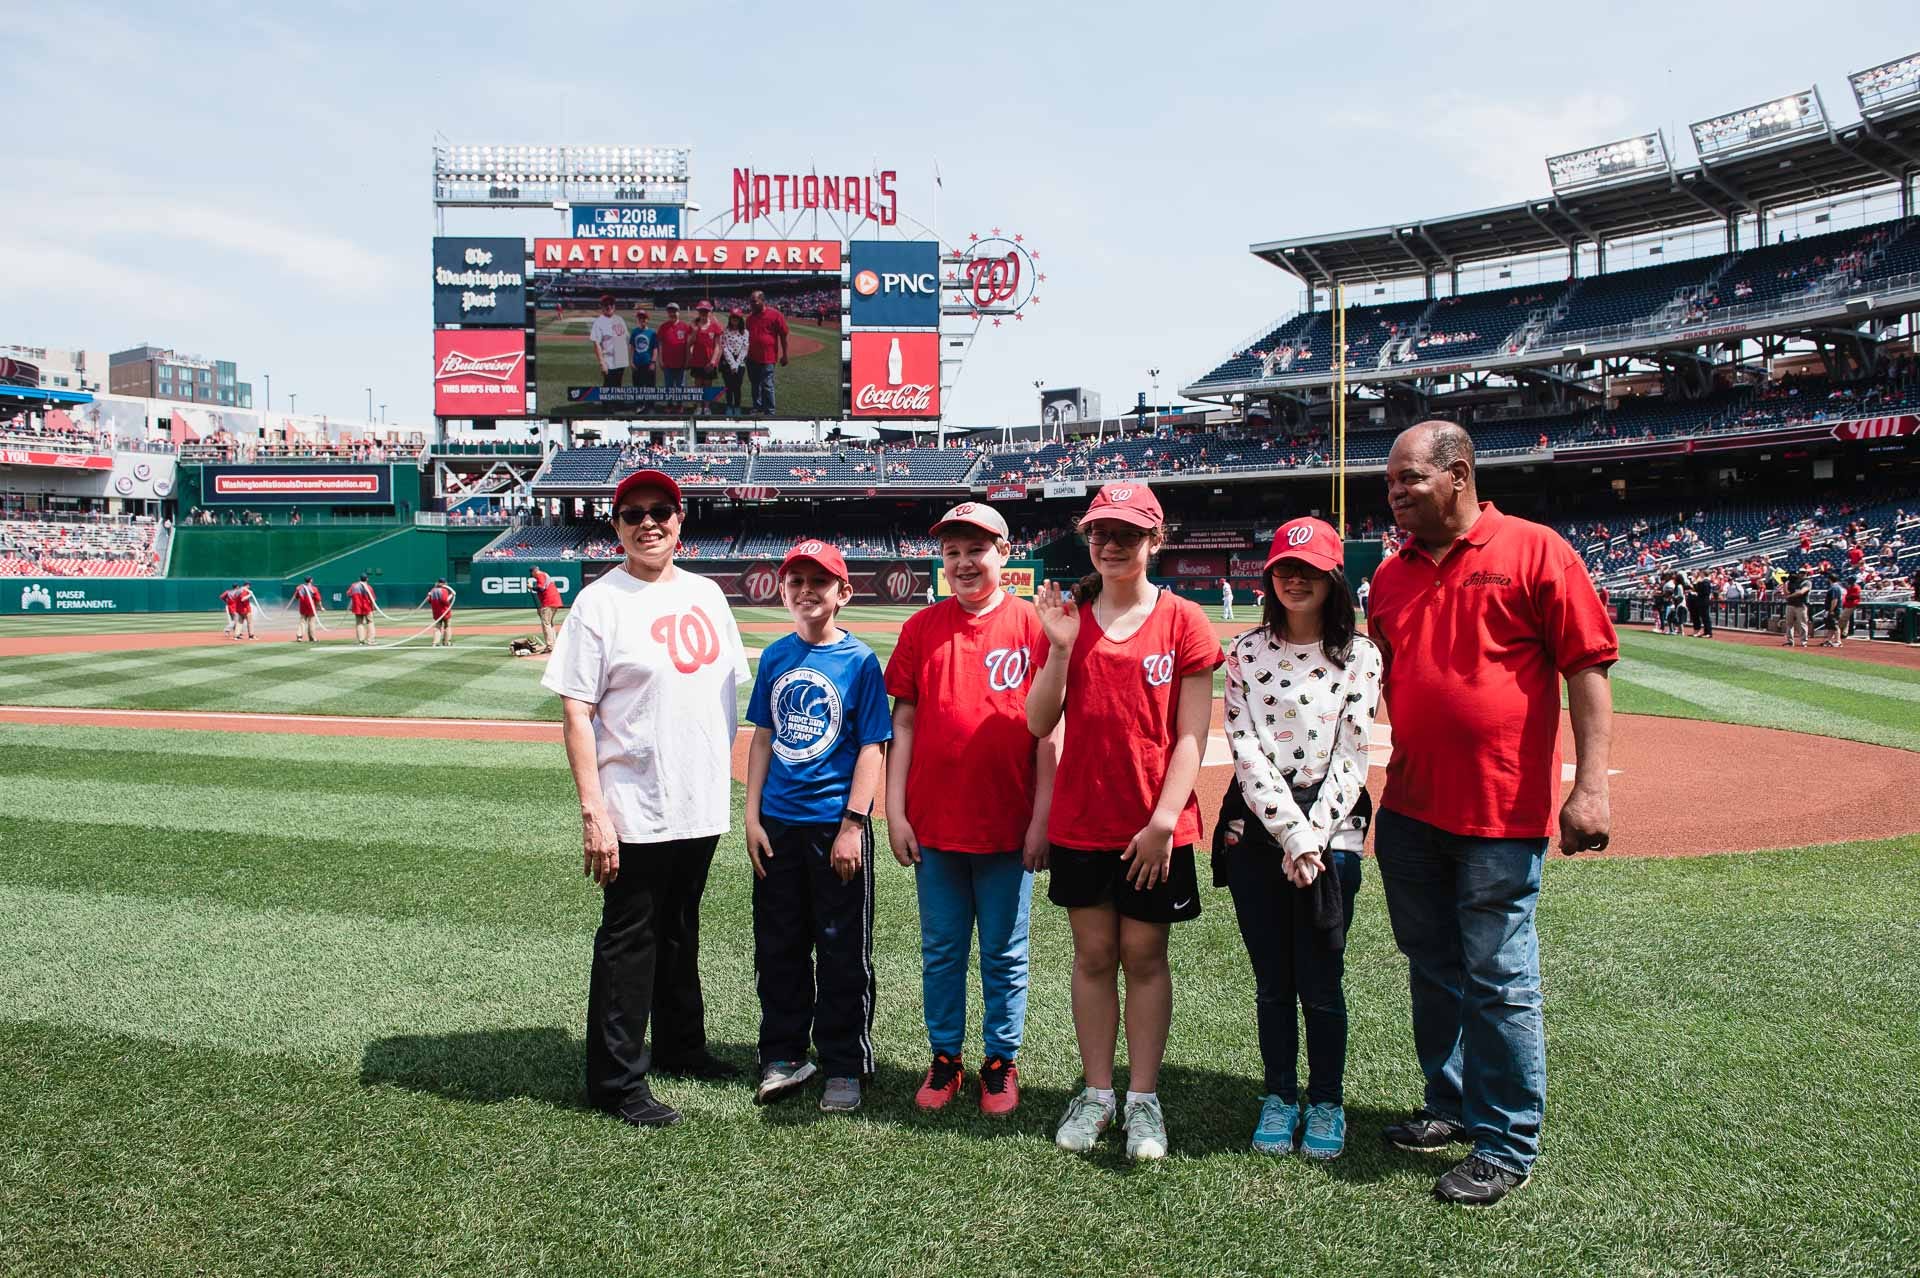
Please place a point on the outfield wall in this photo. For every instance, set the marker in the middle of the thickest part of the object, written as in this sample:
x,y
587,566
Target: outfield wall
x,y
505,582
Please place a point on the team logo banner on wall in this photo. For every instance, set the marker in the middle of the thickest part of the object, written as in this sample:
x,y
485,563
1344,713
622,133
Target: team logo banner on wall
x,y
895,284
479,372
1065,488
479,281
687,255
296,485
1006,492
896,375
626,222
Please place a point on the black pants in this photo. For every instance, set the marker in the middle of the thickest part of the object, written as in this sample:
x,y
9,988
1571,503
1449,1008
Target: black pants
x,y
808,924
613,377
1292,962
646,966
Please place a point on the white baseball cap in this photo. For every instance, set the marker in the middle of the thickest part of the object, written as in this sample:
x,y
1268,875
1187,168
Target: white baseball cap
x,y
972,514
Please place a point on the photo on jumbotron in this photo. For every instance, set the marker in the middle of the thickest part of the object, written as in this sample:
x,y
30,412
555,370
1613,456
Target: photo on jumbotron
x,y
572,384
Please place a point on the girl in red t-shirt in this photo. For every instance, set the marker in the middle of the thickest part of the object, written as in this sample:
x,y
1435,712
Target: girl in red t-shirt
x,y
1131,670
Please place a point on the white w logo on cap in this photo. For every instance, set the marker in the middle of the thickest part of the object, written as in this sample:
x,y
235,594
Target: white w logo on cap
x,y
809,548
1119,494
1300,536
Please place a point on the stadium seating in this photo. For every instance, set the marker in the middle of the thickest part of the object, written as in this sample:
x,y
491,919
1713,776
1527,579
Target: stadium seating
x,y
106,548
587,465
1622,297
1473,325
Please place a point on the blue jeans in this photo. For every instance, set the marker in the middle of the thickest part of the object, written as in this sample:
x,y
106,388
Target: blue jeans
x,y
958,892
760,378
673,378
1462,913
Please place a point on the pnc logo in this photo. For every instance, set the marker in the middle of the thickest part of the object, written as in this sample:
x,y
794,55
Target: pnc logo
x,y
866,283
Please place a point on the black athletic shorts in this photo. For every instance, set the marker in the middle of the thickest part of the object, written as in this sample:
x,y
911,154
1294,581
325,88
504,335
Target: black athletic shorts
x,y
1077,878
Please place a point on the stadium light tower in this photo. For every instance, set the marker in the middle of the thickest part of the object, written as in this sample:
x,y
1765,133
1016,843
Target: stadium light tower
x,y
1621,161
510,176
369,405
1153,375
1793,116
1879,89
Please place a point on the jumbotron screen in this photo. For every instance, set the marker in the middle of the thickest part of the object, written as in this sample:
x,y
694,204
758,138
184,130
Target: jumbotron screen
x,y
633,345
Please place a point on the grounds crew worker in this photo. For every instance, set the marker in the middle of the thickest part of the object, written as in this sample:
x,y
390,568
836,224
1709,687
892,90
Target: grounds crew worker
x,y
546,596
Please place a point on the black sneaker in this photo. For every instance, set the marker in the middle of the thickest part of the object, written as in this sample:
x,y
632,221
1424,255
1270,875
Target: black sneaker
x,y
705,1066
1425,1132
643,1109
1477,1183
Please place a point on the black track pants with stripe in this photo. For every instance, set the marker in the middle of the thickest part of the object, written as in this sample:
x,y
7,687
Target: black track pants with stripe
x,y
813,951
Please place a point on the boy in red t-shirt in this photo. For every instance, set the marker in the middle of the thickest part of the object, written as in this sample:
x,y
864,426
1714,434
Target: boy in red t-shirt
x,y
306,598
967,798
1130,672
243,602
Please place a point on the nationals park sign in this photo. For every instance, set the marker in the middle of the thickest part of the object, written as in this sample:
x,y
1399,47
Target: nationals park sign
x,y
805,256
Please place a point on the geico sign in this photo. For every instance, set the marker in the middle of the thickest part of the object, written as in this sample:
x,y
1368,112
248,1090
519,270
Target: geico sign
x,y
867,283
519,585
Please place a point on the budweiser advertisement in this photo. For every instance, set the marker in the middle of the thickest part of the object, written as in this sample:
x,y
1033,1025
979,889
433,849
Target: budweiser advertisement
x,y
479,373
660,256
1877,427
64,461
896,375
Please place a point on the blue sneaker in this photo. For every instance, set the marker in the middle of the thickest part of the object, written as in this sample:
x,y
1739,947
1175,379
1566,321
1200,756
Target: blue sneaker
x,y
1279,1119
1326,1133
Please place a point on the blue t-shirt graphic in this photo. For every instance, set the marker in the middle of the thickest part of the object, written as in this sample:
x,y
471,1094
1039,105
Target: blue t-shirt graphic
x,y
642,339
822,704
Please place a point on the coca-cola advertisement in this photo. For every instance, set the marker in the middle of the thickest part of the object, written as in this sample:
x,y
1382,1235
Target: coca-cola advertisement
x,y
479,372
895,375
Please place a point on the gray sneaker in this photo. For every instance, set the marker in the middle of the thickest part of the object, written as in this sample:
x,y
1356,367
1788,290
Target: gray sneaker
x,y
779,1080
1146,1130
1086,1120
842,1096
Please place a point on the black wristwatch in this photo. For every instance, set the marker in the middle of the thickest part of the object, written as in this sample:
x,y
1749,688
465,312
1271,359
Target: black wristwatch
x,y
858,818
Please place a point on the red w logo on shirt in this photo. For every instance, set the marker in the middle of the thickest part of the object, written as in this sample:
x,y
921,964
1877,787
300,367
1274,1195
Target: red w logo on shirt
x,y
690,638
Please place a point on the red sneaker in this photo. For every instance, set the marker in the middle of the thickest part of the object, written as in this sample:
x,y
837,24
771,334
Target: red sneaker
x,y
942,1083
999,1087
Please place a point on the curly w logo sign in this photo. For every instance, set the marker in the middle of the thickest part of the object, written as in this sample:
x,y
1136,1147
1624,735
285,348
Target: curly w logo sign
x,y
690,639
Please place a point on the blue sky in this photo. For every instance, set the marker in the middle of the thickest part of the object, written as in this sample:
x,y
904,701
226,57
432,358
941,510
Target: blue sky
x,y
252,182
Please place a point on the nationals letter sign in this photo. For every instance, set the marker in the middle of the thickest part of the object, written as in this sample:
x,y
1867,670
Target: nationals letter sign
x,y
895,375
479,372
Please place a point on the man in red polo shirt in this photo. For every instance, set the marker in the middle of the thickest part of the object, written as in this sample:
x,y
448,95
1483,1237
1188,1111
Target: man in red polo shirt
x,y
766,343
1479,616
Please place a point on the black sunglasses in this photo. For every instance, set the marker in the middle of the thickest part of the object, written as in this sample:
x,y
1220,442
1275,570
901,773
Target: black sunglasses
x,y
634,516
1125,538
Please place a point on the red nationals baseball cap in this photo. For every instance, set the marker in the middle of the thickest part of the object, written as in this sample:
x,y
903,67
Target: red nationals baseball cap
x,y
647,479
1127,503
1311,541
972,514
816,552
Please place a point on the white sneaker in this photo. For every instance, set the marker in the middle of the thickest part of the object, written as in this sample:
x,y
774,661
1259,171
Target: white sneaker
x,y
1086,1120
1146,1130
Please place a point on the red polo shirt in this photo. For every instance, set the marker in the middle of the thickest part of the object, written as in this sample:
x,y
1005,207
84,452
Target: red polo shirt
x,y
765,328
1475,647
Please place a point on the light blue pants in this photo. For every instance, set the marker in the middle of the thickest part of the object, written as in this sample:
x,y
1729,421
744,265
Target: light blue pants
x,y
958,892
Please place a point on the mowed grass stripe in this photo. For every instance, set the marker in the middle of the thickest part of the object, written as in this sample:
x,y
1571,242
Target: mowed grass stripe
x,y
1735,695
429,756
310,986
346,774
161,684
1895,682
217,809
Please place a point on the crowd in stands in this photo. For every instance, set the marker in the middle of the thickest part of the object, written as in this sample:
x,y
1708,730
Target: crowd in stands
x,y
223,446
57,431
93,545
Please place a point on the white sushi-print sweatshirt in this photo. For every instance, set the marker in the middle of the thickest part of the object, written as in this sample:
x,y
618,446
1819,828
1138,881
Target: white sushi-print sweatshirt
x,y
1294,717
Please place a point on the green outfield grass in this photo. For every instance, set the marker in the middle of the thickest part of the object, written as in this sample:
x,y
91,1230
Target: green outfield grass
x,y
809,387
272,1006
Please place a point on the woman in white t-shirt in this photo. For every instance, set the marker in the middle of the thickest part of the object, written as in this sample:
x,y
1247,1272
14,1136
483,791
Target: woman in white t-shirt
x,y
647,668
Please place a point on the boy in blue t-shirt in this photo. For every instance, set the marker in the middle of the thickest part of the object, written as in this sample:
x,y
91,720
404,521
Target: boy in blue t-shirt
x,y
642,338
819,710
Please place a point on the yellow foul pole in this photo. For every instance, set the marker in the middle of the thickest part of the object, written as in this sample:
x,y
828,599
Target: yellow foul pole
x,y
1340,408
